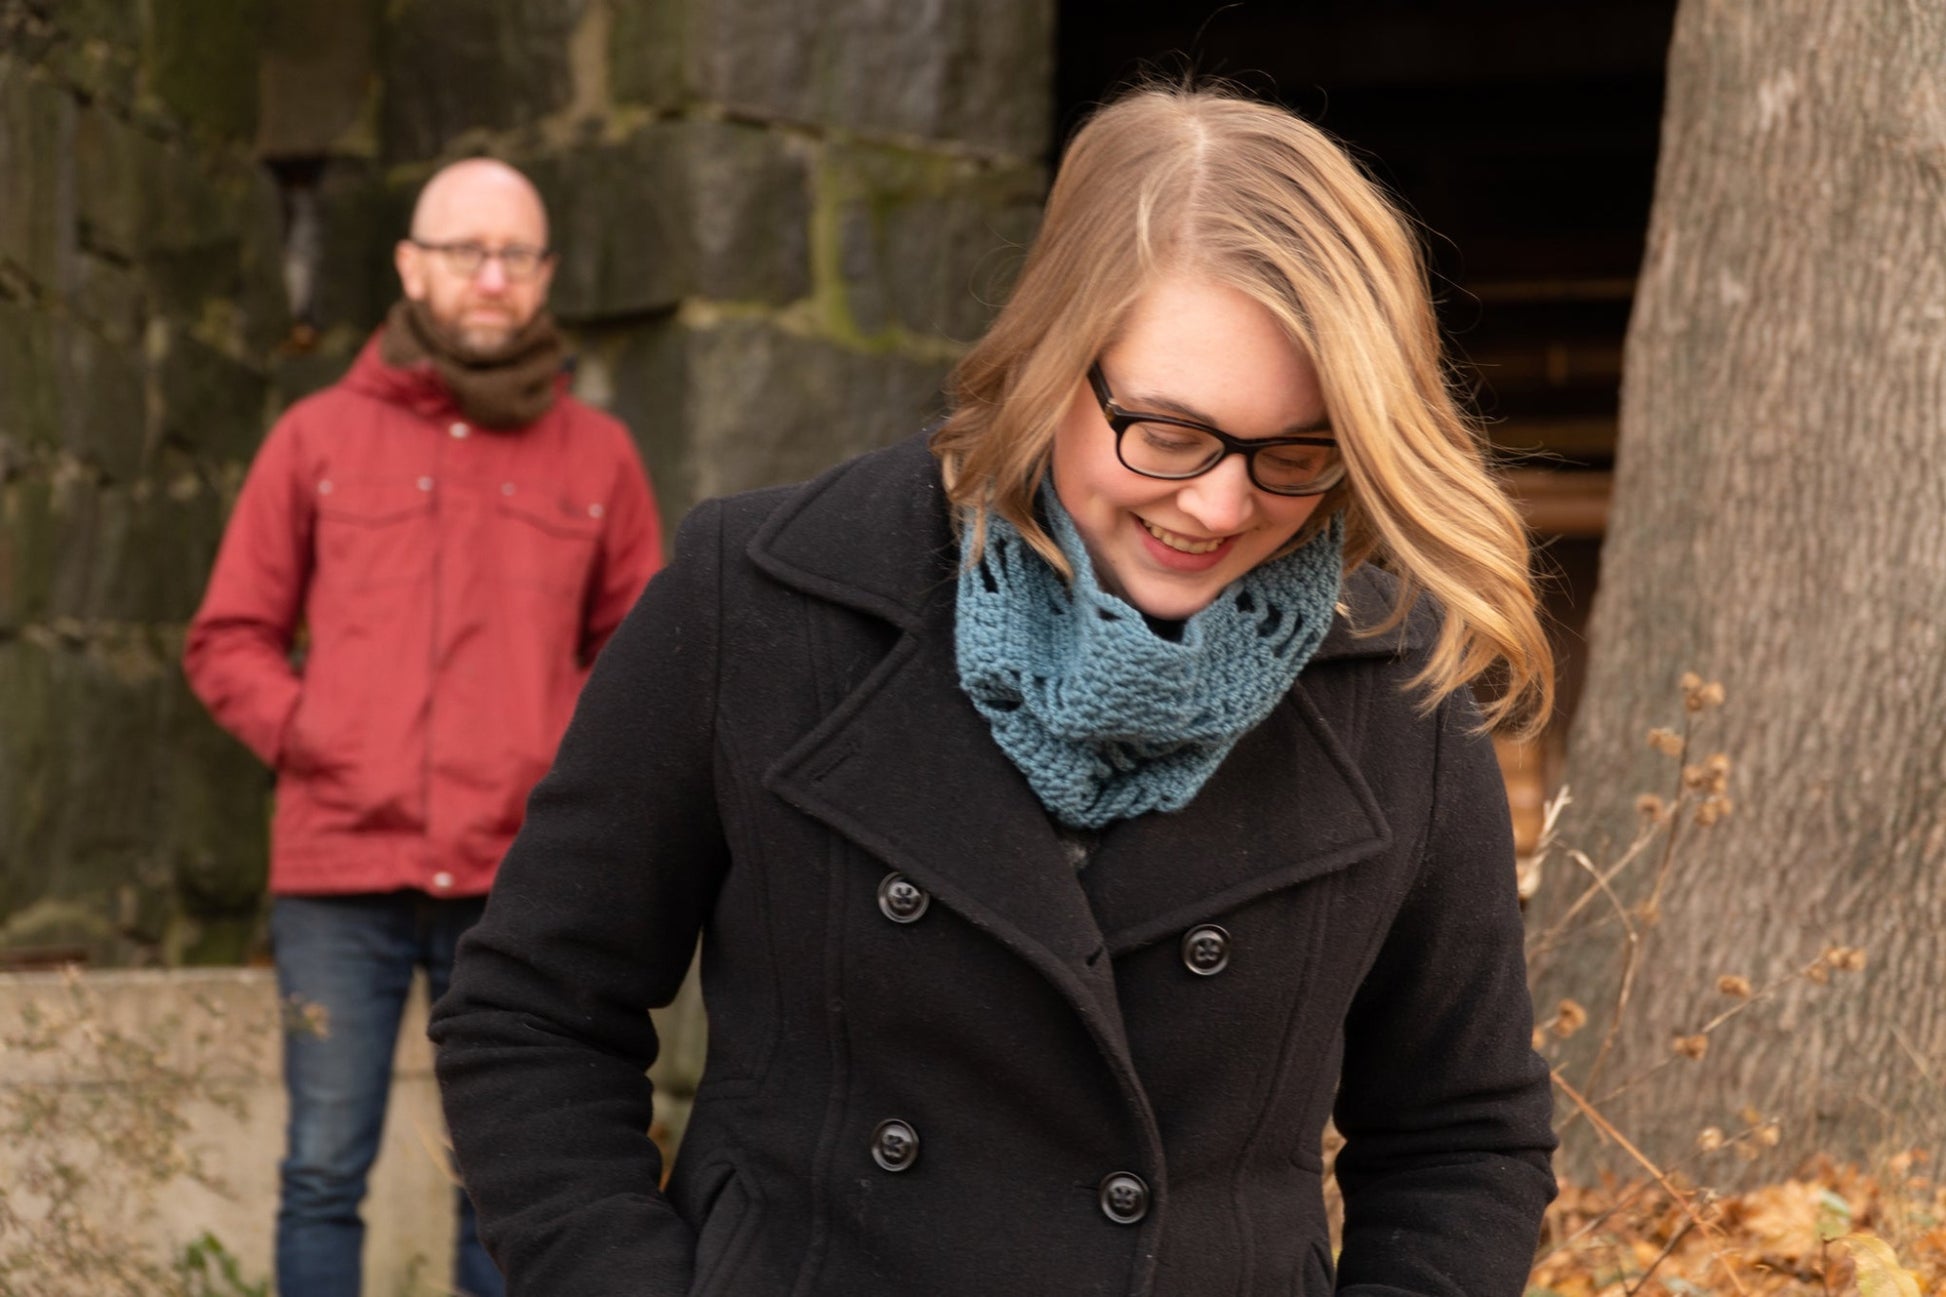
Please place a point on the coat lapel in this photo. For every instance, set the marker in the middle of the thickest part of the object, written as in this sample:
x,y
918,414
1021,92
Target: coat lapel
x,y
1287,805
906,768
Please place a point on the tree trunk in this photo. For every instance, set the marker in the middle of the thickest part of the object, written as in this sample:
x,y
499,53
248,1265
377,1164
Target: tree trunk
x,y
1779,524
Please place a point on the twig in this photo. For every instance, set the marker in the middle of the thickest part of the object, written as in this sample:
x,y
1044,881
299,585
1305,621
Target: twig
x,y
1681,1200
1546,942
1662,1256
1629,963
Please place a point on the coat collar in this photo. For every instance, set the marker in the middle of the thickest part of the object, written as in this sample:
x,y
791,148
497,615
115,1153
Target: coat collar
x,y
905,768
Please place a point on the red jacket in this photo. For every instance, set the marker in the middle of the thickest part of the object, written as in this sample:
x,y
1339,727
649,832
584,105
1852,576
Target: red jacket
x,y
455,583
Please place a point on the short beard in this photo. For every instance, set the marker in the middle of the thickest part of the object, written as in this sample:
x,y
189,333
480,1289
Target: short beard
x,y
480,340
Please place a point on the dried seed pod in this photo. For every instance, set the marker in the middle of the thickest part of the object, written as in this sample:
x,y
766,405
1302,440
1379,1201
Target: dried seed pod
x,y
1569,1018
1734,986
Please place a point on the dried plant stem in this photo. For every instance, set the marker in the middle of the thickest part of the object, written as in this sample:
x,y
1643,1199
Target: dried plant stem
x,y
1548,940
1742,1006
1631,960
1674,1240
1663,867
1676,1196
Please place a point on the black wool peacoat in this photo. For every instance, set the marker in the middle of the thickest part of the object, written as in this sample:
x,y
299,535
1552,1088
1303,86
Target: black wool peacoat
x,y
941,1060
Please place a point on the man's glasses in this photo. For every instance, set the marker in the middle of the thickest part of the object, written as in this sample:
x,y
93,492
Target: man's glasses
x,y
466,258
1161,445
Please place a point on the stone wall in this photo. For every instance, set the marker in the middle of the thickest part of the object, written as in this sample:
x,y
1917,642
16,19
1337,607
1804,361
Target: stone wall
x,y
779,220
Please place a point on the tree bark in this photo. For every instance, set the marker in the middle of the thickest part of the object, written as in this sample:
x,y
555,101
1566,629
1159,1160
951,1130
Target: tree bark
x,y
1779,524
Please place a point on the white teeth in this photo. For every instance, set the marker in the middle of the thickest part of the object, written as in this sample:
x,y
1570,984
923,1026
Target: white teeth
x,y
1181,543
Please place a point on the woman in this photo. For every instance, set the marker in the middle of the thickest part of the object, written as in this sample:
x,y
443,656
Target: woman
x,y
1072,816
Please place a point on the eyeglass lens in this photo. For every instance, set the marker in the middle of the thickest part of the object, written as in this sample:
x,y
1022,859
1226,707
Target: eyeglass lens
x,y
1166,450
519,261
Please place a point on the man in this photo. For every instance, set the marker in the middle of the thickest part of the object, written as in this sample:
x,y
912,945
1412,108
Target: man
x,y
457,536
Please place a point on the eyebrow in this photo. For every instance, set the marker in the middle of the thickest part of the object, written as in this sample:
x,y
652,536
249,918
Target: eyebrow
x,y
1183,410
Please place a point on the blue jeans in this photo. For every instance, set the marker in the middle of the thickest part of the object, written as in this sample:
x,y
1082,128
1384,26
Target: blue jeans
x,y
344,965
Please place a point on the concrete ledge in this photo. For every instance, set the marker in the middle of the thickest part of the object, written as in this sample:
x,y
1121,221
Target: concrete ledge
x,y
101,1045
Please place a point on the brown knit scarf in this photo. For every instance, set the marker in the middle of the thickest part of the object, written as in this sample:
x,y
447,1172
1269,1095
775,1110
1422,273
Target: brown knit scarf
x,y
508,387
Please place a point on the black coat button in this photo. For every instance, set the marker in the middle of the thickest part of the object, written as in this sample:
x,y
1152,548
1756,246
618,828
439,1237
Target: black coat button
x,y
900,899
1124,1198
895,1145
1206,950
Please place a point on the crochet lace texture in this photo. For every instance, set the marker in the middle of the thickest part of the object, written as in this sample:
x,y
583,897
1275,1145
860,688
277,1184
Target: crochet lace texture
x,y
1105,718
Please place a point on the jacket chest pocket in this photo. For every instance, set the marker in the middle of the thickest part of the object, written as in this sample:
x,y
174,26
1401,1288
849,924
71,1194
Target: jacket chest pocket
x,y
545,539
373,531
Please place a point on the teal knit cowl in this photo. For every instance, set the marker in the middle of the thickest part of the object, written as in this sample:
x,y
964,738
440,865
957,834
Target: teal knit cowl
x,y
1106,718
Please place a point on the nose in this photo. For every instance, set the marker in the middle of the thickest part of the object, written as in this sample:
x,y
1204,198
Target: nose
x,y
1222,500
491,276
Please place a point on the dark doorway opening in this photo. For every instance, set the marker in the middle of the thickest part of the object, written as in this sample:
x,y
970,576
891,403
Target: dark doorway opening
x,y
1522,134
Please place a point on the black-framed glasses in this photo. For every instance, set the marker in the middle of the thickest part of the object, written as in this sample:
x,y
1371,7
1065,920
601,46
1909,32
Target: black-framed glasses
x,y
466,258
1164,446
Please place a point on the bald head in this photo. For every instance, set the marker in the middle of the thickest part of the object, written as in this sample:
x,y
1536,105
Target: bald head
x,y
477,258
474,191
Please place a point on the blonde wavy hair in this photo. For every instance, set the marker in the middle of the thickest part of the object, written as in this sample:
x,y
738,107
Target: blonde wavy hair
x,y
1173,179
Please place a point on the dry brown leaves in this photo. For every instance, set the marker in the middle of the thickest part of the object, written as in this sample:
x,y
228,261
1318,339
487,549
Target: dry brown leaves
x,y
1807,1236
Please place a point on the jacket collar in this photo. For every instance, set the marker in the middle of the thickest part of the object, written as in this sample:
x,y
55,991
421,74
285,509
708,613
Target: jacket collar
x,y
906,769
416,387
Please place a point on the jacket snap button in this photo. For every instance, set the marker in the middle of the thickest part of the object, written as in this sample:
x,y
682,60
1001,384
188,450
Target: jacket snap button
x,y
459,430
900,899
895,1145
1124,1198
1206,950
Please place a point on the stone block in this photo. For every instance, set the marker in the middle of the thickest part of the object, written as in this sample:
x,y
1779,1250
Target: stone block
x,y
213,406
52,540
927,243
103,409
30,409
117,169
200,62
152,551
619,216
975,71
453,66
29,550
215,830
319,77
27,769
360,219
757,405
97,22
636,373
110,298
92,46
37,142
749,212
294,377
645,52
80,813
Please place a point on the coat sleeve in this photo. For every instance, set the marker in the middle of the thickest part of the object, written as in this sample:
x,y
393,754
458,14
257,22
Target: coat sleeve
x,y
237,652
544,1036
631,548
1444,1106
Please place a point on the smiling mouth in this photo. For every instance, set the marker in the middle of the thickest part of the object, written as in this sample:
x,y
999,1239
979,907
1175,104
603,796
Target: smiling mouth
x,y
1181,544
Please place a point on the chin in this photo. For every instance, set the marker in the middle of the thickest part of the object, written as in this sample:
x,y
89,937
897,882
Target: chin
x,y
489,338
1170,605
